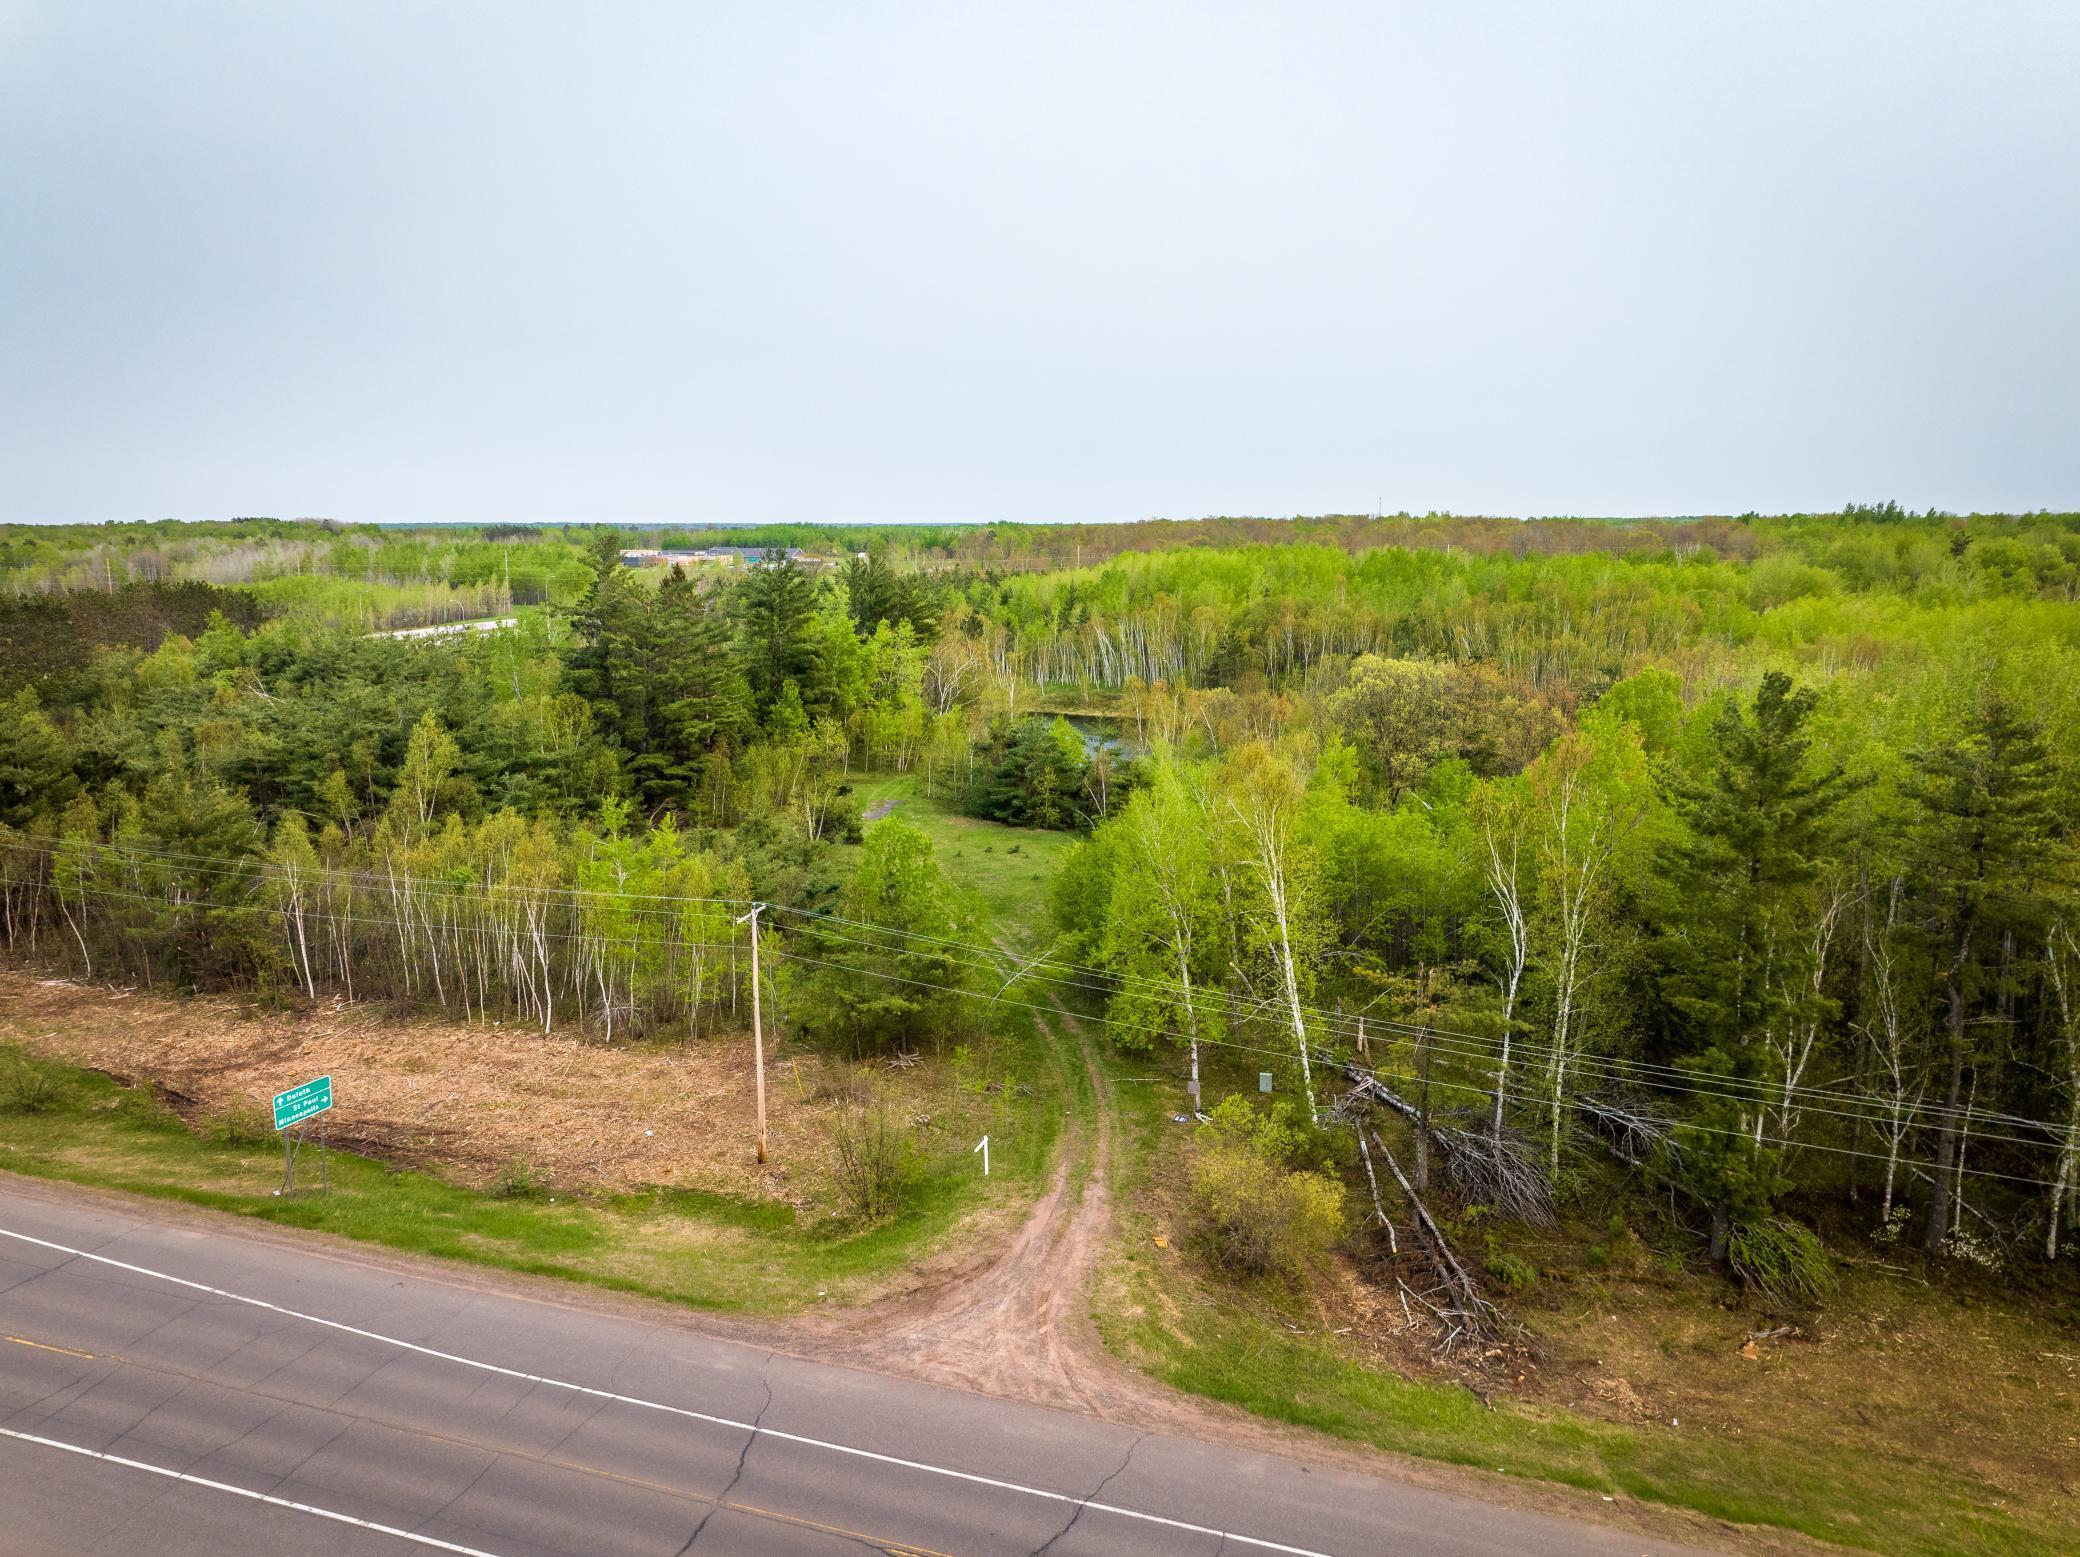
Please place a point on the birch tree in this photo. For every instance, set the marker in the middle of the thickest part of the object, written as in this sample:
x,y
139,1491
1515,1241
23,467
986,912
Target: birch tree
x,y
1261,791
1159,923
2062,970
1586,800
1501,819
294,864
1891,1028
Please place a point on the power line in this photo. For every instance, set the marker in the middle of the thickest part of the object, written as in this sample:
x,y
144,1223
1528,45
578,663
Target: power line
x,y
1741,1135
1444,1084
1468,1047
1471,1048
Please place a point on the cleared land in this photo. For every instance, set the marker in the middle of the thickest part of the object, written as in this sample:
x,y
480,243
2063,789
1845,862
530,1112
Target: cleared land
x,y
476,1102
621,1165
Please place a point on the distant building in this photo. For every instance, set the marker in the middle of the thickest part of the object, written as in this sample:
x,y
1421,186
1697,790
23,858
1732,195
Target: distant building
x,y
716,556
755,556
650,557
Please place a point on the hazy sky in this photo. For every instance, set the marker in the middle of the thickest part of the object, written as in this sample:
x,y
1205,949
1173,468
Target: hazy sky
x,y
1061,261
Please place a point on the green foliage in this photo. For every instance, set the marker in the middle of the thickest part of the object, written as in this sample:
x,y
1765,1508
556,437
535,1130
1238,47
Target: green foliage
x,y
1355,744
1758,825
656,669
27,1087
1273,1136
872,1160
1263,1222
877,595
240,1123
1160,916
1033,774
517,1180
890,972
1781,1259
35,761
45,636
1408,716
775,608
1510,1272
1250,1208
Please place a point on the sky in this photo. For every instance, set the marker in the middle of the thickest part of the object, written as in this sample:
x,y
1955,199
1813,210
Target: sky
x,y
975,261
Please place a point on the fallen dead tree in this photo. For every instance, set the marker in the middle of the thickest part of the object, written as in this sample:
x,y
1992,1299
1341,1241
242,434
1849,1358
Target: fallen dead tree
x,y
1456,1301
1632,1132
1349,1110
1487,1168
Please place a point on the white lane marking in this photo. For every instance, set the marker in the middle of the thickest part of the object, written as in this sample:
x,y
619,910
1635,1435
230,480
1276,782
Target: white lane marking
x,y
248,1492
682,1411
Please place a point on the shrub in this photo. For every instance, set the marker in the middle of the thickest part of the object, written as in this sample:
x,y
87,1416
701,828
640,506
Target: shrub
x,y
1508,1271
1780,1258
1259,1218
28,1088
1276,1138
1252,1208
519,1182
240,1123
872,1161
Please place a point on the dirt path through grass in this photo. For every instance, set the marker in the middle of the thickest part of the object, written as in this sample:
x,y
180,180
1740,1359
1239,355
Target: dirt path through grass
x,y
1019,1326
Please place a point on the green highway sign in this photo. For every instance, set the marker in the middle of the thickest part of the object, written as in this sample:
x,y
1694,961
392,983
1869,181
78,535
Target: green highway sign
x,y
299,1103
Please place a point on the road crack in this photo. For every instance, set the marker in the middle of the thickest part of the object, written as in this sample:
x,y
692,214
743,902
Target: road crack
x,y
765,1377
1098,1492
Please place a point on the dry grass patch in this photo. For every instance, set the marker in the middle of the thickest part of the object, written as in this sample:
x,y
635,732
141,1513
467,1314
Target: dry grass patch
x,y
474,1101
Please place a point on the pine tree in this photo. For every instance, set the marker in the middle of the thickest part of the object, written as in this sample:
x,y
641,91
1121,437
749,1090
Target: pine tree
x,y
35,762
1992,817
604,623
775,606
1759,824
695,694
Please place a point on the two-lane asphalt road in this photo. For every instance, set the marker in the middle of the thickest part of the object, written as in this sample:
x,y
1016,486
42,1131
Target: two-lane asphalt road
x,y
173,1388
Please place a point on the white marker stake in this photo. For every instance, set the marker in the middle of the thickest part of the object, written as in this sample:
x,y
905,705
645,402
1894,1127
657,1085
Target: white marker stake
x,y
983,1147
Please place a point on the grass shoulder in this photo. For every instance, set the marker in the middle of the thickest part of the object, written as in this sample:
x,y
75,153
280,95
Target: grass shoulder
x,y
741,1249
1646,1385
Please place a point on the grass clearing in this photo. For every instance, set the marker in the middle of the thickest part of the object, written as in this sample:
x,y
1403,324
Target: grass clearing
x,y
1008,869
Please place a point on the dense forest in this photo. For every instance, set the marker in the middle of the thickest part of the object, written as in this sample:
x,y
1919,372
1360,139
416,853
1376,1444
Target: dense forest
x,y
1739,852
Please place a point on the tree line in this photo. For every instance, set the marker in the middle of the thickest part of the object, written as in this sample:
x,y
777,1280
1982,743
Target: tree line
x,y
1788,944
1740,851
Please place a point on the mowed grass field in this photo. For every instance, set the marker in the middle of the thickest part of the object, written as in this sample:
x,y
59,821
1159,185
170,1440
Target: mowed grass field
x,y
1008,869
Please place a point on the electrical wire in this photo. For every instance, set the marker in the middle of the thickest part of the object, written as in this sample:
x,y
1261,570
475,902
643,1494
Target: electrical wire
x,y
1471,1048
786,955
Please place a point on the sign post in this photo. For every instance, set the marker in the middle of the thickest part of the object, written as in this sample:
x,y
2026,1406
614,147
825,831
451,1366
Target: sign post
x,y
292,1109
983,1147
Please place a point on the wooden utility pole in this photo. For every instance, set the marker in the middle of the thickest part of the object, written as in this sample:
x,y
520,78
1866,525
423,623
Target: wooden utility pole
x,y
758,1035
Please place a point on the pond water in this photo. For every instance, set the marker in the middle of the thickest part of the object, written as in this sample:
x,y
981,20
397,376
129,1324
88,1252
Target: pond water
x,y
1096,732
